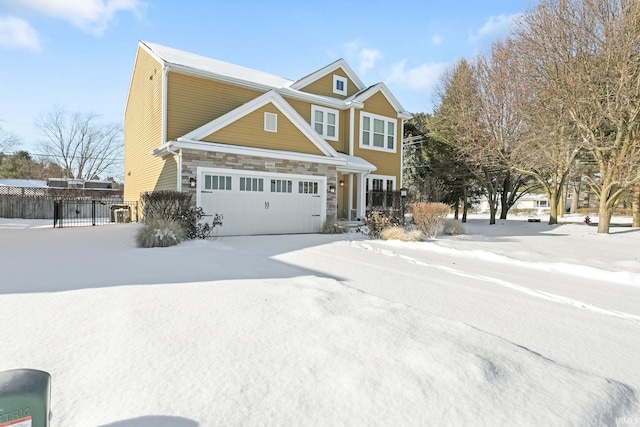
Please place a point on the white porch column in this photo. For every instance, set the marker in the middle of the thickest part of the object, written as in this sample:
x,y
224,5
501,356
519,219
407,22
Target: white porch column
x,y
361,196
350,198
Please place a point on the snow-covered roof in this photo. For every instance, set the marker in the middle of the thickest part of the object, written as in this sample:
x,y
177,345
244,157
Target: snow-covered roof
x,y
31,183
355,164
216,67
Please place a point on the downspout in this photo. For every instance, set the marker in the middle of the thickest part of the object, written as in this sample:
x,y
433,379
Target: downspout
x,y
178,154
352,121
165,81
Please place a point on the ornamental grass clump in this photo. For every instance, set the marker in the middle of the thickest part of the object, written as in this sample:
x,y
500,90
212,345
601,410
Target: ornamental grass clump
x,y
160,233
452,227
399,233
429,217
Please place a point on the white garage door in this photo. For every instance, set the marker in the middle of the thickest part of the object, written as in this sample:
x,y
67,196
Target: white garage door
x,y
262,203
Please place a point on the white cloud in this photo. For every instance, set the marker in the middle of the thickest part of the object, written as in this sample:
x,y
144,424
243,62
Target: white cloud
x,y
16,33
92,16
436,39
367,59
422,78
496,25
361,58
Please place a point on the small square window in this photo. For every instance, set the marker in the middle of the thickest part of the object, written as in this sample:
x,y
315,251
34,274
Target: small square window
x,y
339,85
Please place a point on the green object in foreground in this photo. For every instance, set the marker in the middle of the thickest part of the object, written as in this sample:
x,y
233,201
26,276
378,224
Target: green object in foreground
x,y
24,398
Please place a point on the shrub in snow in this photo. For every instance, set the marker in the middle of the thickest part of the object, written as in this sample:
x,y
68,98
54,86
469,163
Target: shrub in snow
x,y
376,221
429,217
399,233
175,206
159,233
332,227
452,227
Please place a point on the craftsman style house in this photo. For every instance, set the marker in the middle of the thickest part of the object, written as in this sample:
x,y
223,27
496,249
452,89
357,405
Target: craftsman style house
x,y
270,154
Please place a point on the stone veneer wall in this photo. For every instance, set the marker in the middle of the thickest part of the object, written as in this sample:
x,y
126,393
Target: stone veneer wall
x,y
192,159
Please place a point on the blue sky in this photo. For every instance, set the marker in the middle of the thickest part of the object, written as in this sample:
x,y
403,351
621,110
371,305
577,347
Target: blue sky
x,y
79,54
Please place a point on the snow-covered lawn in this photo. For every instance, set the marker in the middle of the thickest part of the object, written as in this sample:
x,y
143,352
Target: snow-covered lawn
x,y
513,324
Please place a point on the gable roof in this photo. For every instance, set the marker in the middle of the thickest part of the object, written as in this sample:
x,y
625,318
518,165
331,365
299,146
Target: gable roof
x,y
279,102
340,63
367,93
197,63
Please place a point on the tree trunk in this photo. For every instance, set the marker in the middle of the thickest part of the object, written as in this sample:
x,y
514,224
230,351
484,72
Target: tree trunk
x,y
456,208
504,196
553,206
465,204
604,217
575,196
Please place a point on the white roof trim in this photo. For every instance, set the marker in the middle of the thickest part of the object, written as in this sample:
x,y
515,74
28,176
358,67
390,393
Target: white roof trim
x,y
381,87
279,102
340,63
247,151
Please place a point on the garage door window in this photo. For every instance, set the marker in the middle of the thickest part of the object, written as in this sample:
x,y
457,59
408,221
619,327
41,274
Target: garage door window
x,y
251,184
217,182
281,186
307,187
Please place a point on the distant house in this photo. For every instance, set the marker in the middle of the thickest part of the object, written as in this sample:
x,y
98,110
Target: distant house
x,y
532,203
270,154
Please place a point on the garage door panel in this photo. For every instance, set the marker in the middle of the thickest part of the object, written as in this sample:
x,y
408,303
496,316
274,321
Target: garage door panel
x,y
267,211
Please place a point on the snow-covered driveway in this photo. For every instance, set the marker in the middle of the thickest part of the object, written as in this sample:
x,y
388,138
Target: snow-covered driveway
x,y
505,325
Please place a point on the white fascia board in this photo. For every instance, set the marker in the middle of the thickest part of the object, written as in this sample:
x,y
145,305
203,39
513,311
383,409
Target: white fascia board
x,y
256,152
355,165
340,63
381,87
323,101
279,102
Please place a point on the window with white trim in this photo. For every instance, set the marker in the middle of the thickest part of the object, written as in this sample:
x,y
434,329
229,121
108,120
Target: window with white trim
x,y
339,85
381,182
308,187
541,204
377,132
217,182
325,121
281,186
251,184
270,122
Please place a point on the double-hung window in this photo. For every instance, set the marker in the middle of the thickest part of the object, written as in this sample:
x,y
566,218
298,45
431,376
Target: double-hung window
x,y
377,132
325,122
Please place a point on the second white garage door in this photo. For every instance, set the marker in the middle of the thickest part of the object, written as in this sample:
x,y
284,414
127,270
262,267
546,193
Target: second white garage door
x,y
262,202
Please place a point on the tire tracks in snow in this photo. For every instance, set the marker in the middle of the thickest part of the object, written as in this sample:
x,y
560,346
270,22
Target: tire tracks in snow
x,y
532,292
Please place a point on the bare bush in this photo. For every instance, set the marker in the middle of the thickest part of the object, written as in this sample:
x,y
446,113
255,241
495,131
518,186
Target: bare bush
x,y
376,222
429,217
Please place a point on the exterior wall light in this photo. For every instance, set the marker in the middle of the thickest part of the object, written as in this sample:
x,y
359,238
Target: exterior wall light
x,y
341,183
332,189
192,183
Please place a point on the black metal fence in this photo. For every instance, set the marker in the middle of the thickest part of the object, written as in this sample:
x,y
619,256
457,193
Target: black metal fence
x,y
383,201
91,212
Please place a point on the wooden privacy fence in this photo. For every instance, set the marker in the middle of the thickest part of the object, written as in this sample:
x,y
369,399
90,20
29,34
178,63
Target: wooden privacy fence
x,y
27,207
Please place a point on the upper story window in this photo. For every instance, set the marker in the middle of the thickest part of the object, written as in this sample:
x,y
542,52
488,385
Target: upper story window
x,y
377,132
270,122
325,122
339,85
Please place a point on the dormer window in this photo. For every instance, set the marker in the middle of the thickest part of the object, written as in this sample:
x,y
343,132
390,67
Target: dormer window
x,y
339,85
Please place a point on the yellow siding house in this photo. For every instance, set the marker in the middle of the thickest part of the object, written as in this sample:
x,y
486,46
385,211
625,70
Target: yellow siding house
x,y
271,155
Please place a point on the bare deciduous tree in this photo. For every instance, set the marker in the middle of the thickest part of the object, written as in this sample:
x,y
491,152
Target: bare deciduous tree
x,y
588,57
8,140
82,146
